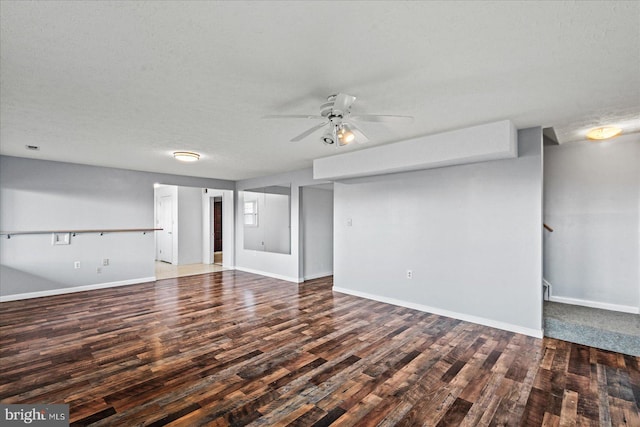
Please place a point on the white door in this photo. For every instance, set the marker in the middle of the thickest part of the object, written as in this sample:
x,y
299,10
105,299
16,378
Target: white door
x,y
165,236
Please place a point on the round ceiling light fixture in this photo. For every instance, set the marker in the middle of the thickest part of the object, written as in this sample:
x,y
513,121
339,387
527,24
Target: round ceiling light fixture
x,y
186,156
604,132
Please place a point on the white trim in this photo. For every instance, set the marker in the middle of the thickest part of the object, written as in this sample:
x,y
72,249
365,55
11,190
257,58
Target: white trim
x,y
273,275
547,285
537,333
51,292
318,275
596,304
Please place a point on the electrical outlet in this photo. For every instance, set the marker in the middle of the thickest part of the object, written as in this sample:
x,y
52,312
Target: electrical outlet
x,y
105,262
76,265
409,274
99,270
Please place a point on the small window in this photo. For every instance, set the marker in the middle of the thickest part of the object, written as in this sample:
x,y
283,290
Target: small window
x,y
251,213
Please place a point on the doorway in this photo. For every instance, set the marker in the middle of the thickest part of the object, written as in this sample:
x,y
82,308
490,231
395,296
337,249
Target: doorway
x,y
185,245
316,231
216,226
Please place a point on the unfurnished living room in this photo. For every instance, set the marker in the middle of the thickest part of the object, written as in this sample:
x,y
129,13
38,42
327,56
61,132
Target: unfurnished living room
x,y
314,213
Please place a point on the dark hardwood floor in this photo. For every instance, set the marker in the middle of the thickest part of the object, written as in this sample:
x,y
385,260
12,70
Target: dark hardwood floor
x,y
234,348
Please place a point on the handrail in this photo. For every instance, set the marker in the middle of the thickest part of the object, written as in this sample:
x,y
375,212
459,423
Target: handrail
x,y
74,232
548,228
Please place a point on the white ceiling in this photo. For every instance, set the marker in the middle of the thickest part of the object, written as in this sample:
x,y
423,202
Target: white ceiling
x,y
125,84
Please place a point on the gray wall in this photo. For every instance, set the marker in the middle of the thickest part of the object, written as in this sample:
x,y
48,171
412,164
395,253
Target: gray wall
x,y
592,201
189,225
316,224
272,233
41,195
471,234
281,266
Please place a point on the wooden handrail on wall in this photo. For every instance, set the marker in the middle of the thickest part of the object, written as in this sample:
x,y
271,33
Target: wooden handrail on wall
x,y
548,228
74,232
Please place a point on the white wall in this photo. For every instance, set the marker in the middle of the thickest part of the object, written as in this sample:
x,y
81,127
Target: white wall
x,y
282,266
190,231
317,232
471,234
489,141
42,195
592,202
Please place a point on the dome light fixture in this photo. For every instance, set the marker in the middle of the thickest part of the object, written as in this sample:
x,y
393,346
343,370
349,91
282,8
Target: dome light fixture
x,y
604,132
186,156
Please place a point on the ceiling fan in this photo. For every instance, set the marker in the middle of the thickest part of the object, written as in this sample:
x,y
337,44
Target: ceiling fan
x,y
341,126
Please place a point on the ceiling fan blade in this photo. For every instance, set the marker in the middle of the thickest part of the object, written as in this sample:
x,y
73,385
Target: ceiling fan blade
x,y
292,116
382,118
343,102
308,132
361,137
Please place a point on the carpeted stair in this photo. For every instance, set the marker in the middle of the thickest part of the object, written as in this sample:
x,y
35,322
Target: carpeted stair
x,y
609,330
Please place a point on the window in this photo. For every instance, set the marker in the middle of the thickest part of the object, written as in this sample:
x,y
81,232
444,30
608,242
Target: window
x,y
251,213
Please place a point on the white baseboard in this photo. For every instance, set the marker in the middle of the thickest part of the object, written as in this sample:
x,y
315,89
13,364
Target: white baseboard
x,y
596,304
318,275
51,292
266,273
537,333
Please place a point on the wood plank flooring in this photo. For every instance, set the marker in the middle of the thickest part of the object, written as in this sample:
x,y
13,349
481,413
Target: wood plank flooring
x,y
233,348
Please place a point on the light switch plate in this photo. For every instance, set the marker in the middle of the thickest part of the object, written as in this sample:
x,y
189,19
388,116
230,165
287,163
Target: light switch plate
x,y
61,239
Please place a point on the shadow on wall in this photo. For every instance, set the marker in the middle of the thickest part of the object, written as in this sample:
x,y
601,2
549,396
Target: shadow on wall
x,y
19,282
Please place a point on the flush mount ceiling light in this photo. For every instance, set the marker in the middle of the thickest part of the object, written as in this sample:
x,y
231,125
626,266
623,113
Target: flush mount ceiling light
x,y
186,156
604,132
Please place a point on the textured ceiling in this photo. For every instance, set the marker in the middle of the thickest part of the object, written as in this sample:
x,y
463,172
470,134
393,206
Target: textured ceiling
x,y
124,84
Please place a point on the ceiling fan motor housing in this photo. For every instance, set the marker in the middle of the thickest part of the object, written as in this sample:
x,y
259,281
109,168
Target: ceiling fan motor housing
x,y
326,108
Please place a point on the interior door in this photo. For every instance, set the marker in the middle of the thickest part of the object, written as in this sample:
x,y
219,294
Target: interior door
x,y
217,226
165,236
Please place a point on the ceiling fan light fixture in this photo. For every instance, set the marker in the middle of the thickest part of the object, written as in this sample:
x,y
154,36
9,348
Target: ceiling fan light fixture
x,y
604,132
345,135
328,139
186,156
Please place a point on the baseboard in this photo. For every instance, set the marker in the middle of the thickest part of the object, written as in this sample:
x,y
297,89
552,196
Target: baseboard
x,y
596,304
318,275
537,333
51,292
268,274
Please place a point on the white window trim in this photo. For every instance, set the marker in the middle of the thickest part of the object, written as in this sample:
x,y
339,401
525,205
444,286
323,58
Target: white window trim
x,y
253,215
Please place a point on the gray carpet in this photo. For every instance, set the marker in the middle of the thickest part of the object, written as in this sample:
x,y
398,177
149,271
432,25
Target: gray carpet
x,y
609,330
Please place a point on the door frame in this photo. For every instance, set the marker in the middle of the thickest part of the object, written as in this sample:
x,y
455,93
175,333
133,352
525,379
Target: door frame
x,y
228,227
